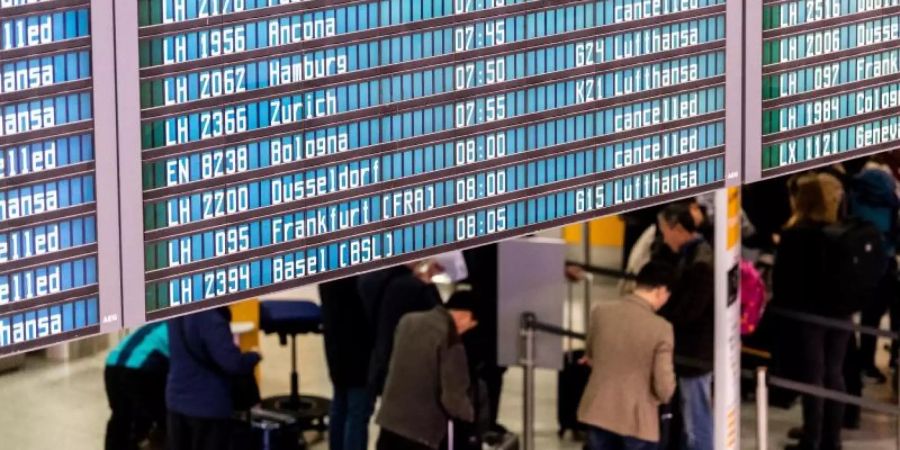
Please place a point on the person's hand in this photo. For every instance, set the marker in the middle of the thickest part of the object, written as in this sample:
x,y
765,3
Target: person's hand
x,y
427,270
585,361
434,268
575,273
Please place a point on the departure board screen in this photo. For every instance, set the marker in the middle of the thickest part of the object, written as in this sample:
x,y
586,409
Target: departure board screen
x,y
287,142
829,81
48,238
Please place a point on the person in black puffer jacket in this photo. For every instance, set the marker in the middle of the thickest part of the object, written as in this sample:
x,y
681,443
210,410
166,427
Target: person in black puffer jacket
x,y
807,352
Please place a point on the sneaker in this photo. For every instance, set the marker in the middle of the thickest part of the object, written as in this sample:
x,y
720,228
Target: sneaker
x,y
499,429
852,422
802,446
874,374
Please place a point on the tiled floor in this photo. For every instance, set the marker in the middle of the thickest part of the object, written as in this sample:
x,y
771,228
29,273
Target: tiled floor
x,y
50,406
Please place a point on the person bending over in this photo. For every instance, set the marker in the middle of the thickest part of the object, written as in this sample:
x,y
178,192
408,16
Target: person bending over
x,y
428,377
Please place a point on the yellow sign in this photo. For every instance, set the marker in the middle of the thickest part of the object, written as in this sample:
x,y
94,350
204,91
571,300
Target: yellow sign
x,y
734,217
605,231
732,433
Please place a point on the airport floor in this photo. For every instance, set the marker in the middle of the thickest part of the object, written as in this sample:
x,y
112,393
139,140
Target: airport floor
x,y
49,406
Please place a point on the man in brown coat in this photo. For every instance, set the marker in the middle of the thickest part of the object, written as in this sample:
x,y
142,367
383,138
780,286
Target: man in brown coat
x,y
629,349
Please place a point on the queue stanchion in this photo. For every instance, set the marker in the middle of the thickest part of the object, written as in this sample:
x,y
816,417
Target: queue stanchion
x,y
526,359
762,410
588,300
451,434
588,281
897,393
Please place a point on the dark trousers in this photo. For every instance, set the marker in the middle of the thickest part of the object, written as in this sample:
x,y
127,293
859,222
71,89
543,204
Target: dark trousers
x,y
392,441
194,433
852,380
884,300
821,363
137,401
493,380
348,424
600,439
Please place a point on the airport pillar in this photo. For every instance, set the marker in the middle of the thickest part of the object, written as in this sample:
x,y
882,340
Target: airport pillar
x,y
727,371
727,395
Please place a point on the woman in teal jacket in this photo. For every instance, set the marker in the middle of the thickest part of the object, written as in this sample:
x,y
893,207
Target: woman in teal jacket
x,y
135,377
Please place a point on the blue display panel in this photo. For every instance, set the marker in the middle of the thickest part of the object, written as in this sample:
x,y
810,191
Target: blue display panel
x,y
326,137
322,218
48,224
495,220
829,87
69,319
313,183
42,29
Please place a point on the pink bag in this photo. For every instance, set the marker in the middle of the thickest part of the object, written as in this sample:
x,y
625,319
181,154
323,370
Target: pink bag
x,y
753,298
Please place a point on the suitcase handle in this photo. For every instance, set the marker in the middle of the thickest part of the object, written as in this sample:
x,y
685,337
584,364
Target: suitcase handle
x,y
273,415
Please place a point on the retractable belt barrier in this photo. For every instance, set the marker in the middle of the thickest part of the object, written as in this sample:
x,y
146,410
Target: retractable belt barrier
x,y
832,395
832,323
603,271
553,329
530,325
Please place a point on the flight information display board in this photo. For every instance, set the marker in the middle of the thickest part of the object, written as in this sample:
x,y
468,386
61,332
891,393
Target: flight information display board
x,y
285,142
829,86
49,249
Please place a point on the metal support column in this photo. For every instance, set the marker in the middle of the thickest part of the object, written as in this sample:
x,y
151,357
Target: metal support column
x,y
527,355
762,410
294,398
588,281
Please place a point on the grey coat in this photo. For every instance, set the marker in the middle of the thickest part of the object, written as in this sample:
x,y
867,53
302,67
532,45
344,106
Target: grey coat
x,y
428,379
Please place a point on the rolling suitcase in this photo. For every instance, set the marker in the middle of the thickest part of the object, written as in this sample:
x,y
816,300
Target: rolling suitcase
x,y
271,430
572,381
498,441
489,441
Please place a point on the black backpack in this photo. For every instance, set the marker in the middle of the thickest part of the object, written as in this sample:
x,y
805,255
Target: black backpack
x,y
855,261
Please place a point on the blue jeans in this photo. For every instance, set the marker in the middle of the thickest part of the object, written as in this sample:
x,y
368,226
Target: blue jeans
x,y
348,424
696,406
600,439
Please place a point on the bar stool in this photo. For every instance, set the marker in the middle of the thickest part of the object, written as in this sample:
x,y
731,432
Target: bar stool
x,y
288,318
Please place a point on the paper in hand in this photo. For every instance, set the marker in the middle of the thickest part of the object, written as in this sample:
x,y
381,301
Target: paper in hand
x,y
454,265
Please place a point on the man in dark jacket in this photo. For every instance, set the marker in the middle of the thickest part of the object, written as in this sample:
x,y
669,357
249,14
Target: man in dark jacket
x,y
481,343
204,358
348,348
387,296
691,312
428,381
